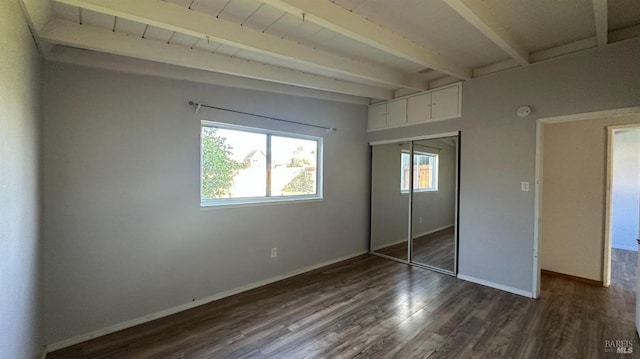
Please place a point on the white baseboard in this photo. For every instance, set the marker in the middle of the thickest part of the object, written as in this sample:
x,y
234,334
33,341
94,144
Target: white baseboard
x,y
487,283
147,318
404,240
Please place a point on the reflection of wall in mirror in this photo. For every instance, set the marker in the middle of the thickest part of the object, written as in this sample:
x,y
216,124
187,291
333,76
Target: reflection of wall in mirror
x,y
433,210
389,208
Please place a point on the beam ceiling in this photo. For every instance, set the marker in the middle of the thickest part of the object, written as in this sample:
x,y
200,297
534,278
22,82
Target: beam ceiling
x,y
346,23
480,17
104,40
182,20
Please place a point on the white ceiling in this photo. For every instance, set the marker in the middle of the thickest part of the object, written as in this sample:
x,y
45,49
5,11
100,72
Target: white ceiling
x,y
365,48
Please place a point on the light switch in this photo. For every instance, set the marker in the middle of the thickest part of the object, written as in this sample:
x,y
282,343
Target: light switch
x,y
524,186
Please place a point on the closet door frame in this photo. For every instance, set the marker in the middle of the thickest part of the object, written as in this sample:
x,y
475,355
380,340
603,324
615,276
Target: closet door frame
x,y
409,260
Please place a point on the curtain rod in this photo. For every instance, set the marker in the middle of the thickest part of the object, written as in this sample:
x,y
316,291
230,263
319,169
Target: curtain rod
x,y
199,105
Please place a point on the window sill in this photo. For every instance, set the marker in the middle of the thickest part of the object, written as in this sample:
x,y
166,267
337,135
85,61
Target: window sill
x,y
209,205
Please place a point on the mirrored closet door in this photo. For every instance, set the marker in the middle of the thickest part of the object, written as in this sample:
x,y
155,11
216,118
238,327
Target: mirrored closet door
x,y
389,204
414,202
433,203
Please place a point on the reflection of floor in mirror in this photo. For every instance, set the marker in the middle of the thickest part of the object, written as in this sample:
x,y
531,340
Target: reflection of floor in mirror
x,y
396,251
435,249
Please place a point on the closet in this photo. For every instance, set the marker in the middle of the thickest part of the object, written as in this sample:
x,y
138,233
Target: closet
x,y
414,201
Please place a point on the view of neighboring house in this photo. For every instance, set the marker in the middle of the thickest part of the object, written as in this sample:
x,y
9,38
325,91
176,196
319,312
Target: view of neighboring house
x,y
255,158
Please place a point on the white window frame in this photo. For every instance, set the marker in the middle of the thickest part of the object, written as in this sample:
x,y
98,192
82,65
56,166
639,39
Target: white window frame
x,y
207,203
435,172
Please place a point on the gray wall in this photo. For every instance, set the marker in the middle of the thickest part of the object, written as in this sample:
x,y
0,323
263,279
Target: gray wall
x,y
626,190
498,149
20,279
124,233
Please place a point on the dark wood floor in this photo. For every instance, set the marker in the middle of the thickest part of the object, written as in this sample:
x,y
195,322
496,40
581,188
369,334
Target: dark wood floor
x,y
435,249
369,307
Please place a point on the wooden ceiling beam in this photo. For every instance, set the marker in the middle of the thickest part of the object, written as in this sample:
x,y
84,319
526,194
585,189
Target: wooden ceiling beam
x,y
565,49
176,18
601,20
102,60
346,23
480,17
104,40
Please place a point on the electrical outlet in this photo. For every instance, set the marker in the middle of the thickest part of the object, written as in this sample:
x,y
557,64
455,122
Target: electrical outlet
x,y
524,186
420,219
274,252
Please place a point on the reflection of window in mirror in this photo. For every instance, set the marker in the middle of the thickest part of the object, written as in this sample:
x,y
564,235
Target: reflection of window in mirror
x,y
425,171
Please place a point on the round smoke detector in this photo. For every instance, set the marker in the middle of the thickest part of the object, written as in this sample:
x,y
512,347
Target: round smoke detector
x,y
523,111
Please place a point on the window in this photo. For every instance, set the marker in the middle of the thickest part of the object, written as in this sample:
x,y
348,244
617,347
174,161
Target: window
x,y
425,171
247,165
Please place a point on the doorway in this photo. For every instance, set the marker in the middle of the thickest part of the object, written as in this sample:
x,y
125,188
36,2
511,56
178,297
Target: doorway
x,y
572,236
623,201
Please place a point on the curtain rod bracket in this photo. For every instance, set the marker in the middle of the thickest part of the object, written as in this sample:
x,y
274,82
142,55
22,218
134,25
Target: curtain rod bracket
x,y
197,105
